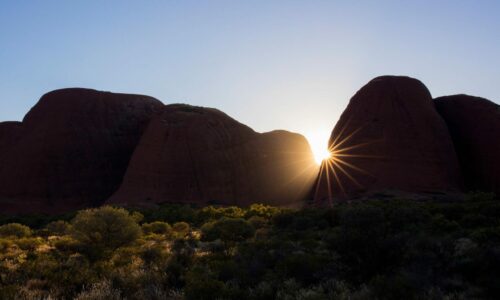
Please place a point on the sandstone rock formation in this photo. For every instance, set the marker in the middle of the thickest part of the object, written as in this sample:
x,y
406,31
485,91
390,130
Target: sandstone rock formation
x,y
200,155
474,125
390,138
8,134
71,150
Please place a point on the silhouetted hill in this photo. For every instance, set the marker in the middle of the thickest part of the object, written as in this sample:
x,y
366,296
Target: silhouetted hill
x,y
200,155
78,148
390,137
71,149
474,124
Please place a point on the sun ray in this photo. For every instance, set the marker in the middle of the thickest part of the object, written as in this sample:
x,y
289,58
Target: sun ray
x,y
318,182
341,132
335,146
357,155
354,146
300,174
329,187
352,166
337,178
338,166
349,175
296,161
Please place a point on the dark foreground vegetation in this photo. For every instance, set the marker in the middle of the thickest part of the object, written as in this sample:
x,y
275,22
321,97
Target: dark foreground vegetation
x,y
377,249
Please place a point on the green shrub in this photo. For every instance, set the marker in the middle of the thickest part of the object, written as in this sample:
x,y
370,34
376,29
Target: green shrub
x,y
181,229
257,221
479,196
102,230
373,249
227,229
14,230
157,227
99,291
201,285
393,287
66,244
171,213
29,243
154,255
262,210
5,244
210,213
58,228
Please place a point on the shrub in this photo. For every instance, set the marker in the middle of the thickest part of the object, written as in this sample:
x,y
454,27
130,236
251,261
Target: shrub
x,y
102,230
67,244
181,229
262,210
480,196
157,227
373,249
200,284
393,287
171,213
137,216
228,230
14,230
99,291
58,228
154,255
5,244
210,213
257,221
29,243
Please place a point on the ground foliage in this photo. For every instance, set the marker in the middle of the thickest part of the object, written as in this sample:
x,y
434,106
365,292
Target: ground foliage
x,y
377,249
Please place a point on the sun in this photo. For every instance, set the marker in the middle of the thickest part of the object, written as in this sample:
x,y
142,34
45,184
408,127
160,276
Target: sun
x,y
321,154
318,141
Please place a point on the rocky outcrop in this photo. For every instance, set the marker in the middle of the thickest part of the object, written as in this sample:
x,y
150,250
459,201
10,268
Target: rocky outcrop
x,y
71,150
390,137
200,155
474,125
9,132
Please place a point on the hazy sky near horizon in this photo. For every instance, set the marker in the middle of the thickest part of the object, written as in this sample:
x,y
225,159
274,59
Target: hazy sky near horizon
x,y
269,64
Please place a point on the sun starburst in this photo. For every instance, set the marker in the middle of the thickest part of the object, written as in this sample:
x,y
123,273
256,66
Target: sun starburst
x,y
338,165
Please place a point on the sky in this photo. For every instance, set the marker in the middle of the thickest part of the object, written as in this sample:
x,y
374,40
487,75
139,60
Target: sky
x,y
289,65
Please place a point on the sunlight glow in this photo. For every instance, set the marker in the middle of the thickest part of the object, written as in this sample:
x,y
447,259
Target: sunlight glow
x,y
321,154
318,140
339,167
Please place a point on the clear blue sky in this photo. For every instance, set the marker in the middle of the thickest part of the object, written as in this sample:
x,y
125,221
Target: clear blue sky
x,y
270,64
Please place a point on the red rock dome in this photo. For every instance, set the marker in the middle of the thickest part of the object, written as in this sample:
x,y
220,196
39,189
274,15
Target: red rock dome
x,y
200,155
390,137
71,150
9,132
474,125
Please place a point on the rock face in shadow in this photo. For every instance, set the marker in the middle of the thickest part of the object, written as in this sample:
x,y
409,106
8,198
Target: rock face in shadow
x,y
474,125
200,155
71,150
389,138
9,132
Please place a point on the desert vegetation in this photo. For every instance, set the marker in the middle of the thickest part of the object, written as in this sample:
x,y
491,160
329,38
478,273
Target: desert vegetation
x,y
377,249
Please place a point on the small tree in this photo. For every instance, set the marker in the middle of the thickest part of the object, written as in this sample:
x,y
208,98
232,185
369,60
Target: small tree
x,y
102,230
228,230
14,230
157,227
58,227
181,229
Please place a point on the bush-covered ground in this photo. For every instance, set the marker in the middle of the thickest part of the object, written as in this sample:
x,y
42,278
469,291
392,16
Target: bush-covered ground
x,y
379,249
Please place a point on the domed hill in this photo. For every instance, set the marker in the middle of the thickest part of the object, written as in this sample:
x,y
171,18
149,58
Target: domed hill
x,y
474,124
71,149
200,155
390,138
8,134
